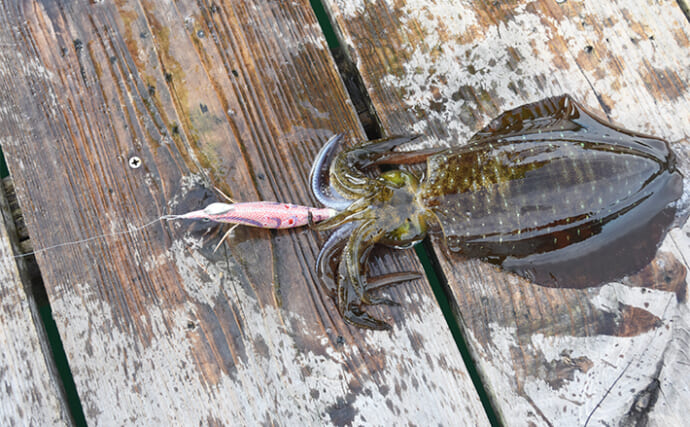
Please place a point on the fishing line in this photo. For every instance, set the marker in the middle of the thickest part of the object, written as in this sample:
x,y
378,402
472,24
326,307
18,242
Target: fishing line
x,y
262,214
99,236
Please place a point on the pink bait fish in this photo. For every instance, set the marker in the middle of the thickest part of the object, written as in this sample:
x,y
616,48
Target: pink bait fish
x,y
263,214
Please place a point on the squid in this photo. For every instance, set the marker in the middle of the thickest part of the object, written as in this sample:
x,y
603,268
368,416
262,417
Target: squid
x,y
547,191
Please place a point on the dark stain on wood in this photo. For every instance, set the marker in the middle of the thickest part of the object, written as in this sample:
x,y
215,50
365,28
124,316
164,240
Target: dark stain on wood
x,y
559,372
633,321
643,404
665,273
342,412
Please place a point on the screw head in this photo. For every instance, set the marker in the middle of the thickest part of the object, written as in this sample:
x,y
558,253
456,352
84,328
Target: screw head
x,y
134,162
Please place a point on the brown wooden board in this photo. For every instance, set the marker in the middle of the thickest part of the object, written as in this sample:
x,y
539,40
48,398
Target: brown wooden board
x,y
114,114
612,354
31,393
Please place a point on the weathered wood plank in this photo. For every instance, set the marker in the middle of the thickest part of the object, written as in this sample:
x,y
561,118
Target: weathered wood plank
x,y
30,388
612,354
158,328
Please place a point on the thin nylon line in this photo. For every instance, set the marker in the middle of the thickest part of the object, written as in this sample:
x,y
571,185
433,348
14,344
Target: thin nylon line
x,y
100,236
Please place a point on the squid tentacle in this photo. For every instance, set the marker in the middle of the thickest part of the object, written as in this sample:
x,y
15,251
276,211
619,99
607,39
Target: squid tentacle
x,y
339,182
347,177
319,176
385,280
346,174
368,153
334,244
352,285
356,211
356,254
342,294
407,157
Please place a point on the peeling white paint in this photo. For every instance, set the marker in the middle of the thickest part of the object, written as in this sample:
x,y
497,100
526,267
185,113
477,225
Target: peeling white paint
x,y
613,370
191,181
187,183
496,365
273,378
312,38
30,393
659,21
35,68
444,63
190,263
674,381
422,378
455,17
351,8
431,76
620,367
153,262
610,296
142,378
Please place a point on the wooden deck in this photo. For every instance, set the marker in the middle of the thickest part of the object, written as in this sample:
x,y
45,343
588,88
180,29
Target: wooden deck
x,y
115,113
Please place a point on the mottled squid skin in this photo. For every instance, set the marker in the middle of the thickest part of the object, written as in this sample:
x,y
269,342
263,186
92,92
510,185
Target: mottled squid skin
x,y
547,191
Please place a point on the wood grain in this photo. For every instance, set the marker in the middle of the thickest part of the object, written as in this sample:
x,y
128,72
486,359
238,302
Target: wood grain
x,y
444,69
157,328
31,391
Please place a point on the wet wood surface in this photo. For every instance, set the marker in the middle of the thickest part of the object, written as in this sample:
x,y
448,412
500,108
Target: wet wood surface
x,y
615,354
31,393
115,113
